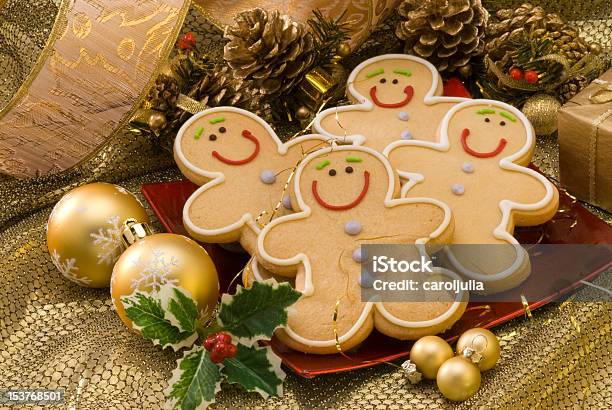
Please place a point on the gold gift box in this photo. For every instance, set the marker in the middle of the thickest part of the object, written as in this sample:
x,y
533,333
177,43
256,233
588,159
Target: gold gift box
x,y
585,143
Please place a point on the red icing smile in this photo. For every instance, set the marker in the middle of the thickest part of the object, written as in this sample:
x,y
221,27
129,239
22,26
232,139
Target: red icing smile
x,y
500,146
409,91
246,134
364,190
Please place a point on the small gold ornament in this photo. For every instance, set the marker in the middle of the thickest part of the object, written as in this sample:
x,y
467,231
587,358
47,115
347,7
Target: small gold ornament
x,y
411,372
302,113
84,231
152,260
344,49
481,342
458,379
428,353
157,121
542,111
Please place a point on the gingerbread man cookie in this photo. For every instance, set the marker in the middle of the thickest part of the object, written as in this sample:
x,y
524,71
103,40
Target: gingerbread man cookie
x,y
396,97
243,168
478,167
346,196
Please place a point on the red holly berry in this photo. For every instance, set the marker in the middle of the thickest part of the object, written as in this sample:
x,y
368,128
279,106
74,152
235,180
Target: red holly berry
x,y
224,337
188,41
231,350
216,357
209,343
219,348
516,73
531,77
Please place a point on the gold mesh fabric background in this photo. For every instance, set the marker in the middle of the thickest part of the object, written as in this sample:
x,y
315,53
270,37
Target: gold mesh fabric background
x,y
24,30
55,334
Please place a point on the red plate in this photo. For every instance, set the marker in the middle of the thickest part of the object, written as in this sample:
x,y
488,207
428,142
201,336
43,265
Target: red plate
x,y
574,225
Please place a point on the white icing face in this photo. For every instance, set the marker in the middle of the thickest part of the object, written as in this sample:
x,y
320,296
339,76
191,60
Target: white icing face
x,y
486,131
226,141
392,83
343,180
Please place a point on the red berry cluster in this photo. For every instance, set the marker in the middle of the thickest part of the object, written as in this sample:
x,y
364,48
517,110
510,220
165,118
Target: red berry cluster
x,y
530,76
220,346
188,41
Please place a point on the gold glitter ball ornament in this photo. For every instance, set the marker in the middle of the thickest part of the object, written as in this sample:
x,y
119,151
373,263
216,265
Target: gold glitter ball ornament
x,y
157,121
542,111
84,231
428,353
458,379
483,343
153,260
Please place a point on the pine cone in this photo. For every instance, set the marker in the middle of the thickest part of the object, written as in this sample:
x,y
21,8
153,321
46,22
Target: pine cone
x,y
216,88
270,49
445,32
571,87
512,25
162,96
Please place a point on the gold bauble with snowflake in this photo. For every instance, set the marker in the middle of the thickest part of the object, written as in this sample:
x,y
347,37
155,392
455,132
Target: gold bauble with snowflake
x,y
84,231
153,260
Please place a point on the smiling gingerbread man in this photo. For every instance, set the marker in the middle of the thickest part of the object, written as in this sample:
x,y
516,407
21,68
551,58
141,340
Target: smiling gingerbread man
x,y
396,96
478,167
243,168
346,196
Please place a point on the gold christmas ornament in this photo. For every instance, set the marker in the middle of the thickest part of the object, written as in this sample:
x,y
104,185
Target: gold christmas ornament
x,y
156,259
84,231
157,121
344,49
542,112
458,379
481,343
302,113
428,353
445,32
270,49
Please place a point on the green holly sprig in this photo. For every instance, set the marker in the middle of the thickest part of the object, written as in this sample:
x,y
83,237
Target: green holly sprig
x,y
169,318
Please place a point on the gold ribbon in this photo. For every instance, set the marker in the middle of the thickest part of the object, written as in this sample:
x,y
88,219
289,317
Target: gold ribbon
x,y
82,90
602,96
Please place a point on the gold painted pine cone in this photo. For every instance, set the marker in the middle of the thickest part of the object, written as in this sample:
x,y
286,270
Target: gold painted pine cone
x,y
268,48
510,25
445,32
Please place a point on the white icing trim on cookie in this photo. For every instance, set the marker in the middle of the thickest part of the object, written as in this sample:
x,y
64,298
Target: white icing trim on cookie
x,y
303,259
218,177
364,103
506,206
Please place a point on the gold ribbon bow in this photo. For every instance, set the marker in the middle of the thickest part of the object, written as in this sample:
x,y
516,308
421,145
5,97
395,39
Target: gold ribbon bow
x,y
603,94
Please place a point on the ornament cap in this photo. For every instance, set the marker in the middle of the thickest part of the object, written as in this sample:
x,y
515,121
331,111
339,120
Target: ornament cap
x,y
133,231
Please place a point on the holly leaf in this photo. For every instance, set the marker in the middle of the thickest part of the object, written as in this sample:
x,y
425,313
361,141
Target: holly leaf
x,y
147,316
254,313
256,369
195,381
180,309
